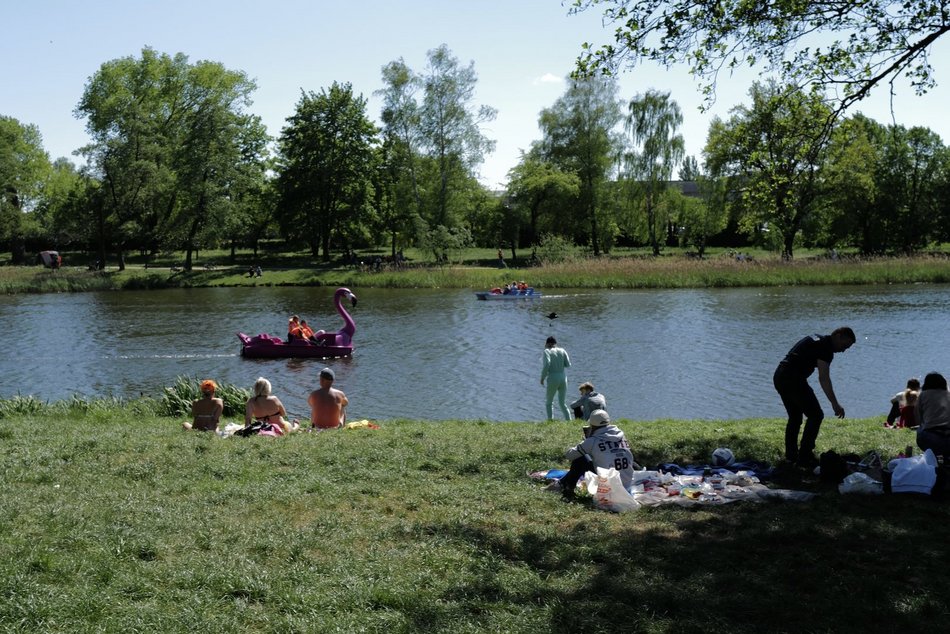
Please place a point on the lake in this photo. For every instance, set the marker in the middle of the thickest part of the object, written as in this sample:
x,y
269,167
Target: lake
x,y
440,354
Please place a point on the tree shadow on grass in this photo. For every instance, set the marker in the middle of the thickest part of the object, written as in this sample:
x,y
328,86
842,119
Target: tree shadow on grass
x,y
854,563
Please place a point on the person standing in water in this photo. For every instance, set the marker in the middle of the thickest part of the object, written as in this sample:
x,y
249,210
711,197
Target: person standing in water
x,y
555,361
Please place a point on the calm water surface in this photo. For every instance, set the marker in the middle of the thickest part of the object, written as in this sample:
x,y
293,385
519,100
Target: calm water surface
x,y
438,354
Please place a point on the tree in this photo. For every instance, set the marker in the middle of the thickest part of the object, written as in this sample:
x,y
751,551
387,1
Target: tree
x,y
24,169
908,178
652,125
395,200
57,207
450,132
689,170
401,132
773,151
579,136
221,151
701,217
851,192
168,140
536,185
843,47
133,109
325,166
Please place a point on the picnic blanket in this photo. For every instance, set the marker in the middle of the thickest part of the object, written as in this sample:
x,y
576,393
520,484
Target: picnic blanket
x,y
718,486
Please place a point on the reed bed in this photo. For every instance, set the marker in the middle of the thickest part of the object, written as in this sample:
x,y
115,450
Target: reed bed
x,y
629,272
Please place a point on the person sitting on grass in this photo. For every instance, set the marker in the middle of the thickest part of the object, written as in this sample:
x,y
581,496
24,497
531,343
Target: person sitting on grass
x,y
327,404
903,405
589,401
207,410
604,446
933,415
264,407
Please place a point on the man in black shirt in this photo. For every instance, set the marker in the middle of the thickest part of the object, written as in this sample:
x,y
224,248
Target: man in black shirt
x,y
791,382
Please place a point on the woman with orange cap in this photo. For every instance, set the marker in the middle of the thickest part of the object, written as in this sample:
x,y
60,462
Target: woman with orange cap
x,y
207,410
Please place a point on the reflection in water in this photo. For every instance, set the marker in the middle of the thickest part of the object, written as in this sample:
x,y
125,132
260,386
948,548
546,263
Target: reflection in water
x,y
441,354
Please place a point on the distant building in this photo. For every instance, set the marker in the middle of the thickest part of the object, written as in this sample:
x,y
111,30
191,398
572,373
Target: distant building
x,y
687,188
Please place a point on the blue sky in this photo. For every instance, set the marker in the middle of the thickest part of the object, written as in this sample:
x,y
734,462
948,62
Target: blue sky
x,y
522,51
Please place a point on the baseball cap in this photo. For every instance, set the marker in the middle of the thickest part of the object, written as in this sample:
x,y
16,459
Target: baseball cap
x,y
599,417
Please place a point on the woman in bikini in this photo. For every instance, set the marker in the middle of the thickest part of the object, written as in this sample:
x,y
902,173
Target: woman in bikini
x,y
207,410
263,407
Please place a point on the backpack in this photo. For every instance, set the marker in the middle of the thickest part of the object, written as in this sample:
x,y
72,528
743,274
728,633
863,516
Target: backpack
x,y
834,468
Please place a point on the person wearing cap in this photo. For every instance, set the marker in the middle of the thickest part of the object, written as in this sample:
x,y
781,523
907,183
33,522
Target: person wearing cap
x,y
554,360
604,446
207,410
589,401
327,404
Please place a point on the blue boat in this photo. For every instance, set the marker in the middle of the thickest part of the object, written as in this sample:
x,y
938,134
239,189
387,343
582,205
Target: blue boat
x,y
499,294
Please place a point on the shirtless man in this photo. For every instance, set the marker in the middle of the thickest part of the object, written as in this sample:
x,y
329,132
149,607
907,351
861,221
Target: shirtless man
x,y
328,404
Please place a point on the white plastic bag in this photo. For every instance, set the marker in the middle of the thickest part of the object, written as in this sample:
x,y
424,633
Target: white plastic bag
x,y
859,482
607,490
916,474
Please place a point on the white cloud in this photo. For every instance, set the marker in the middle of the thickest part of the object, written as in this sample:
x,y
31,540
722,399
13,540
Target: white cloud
x,y
548,78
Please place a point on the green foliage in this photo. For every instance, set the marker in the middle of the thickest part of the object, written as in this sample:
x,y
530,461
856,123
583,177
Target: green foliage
x,y
828,45
553,249
176,147
177,399
24,169
773,152
18,406
326,158
541,194
440,241
579,138
450,132
654,150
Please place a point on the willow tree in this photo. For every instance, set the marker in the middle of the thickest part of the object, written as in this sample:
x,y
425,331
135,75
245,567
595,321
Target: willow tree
x,y
656,149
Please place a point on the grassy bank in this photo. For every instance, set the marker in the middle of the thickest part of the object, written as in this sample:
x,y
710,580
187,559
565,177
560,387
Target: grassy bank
x,y
674,271
114,520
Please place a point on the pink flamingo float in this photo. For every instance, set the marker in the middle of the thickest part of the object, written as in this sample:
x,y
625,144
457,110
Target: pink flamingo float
x,y
329,344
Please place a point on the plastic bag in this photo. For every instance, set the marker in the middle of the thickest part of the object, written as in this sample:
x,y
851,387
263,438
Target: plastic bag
x,y
858,482
916,474
608,492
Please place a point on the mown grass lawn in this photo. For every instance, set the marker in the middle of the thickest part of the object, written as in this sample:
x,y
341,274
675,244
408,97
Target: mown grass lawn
x,y
114,520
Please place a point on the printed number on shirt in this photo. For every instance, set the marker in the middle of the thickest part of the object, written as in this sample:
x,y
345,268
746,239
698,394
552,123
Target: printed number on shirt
x,y
621,463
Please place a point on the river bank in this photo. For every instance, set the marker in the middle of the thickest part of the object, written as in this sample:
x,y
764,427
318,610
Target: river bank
x,y
114,520
602,273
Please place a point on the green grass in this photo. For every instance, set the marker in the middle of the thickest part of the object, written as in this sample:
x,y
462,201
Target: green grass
x,y
475,269
114,520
